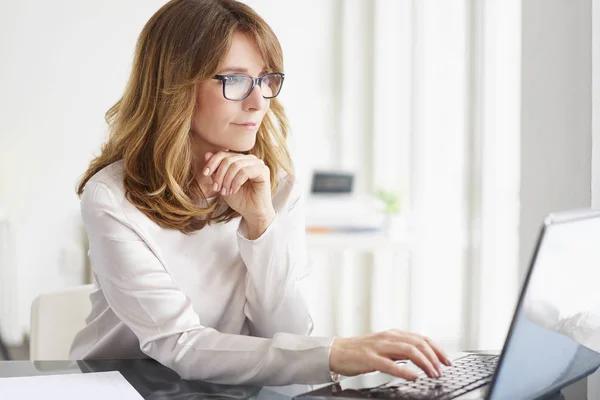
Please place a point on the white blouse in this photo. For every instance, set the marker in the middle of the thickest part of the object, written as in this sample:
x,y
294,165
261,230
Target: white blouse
x,y
211,305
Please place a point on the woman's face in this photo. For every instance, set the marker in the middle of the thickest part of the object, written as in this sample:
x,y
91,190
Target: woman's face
x,y
221,124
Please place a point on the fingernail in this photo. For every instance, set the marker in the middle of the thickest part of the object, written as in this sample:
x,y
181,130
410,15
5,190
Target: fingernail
x,y
223,191
230,191
206,171
216,187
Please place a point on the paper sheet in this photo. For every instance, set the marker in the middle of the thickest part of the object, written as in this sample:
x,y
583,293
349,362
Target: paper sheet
x,y
93,386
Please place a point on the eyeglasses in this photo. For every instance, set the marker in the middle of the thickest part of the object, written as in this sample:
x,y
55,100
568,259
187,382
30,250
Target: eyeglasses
x,y
237,87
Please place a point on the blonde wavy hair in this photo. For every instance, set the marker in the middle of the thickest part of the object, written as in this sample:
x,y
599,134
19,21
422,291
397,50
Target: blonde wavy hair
x,y
184,43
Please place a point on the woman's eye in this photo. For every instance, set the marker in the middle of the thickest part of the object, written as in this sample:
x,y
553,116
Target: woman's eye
x,y
235,79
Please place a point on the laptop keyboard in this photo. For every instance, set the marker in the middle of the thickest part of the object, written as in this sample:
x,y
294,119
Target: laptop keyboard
x,y
466,374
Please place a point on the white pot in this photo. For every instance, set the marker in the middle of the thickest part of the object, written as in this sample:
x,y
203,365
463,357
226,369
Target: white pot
x,y
394,225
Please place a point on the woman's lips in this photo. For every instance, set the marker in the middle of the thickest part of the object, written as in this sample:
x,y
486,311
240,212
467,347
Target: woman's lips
x,y
249,125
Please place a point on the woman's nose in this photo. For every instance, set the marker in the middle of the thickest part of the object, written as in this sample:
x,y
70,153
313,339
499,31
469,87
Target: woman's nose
x,y
255,101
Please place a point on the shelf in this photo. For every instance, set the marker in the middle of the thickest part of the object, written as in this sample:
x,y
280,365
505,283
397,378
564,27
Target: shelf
x,y
354,241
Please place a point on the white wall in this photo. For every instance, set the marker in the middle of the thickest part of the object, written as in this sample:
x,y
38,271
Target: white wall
x,y
64,63
594,380
596,103
556,124
555,114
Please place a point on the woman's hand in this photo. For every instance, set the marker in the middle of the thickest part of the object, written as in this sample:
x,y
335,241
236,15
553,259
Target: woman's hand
x,y
245,183
378,351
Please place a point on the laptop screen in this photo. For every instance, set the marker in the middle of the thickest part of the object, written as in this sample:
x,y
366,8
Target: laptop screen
x,y
555,335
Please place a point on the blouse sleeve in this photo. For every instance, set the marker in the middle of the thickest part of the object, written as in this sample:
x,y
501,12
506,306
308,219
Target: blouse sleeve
x,y
277,268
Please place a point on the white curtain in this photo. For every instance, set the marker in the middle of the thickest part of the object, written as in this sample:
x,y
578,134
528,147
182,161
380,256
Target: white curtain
x,y
420,96
9,296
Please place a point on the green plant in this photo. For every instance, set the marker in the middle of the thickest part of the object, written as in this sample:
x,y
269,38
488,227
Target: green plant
x,y
391,199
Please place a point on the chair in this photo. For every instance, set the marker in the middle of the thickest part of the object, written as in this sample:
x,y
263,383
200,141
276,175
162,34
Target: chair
x,y
4,350
56,318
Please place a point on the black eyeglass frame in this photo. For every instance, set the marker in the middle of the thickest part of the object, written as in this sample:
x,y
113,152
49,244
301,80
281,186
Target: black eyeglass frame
x,y
255,81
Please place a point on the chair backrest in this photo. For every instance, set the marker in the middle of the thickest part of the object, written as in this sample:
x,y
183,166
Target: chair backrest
x,y
56,318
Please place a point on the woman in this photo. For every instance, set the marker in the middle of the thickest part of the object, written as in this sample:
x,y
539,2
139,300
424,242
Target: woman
x,y
195,222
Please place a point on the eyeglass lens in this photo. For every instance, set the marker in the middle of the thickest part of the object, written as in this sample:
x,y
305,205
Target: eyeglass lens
x,y
238,86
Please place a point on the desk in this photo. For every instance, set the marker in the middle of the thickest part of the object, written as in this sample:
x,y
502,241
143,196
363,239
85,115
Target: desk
x,y
152,380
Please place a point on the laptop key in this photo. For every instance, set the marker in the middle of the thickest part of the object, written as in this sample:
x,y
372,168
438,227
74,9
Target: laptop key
x,y
465,375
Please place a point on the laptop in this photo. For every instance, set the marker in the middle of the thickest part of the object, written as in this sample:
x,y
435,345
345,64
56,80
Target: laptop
x,y
553,339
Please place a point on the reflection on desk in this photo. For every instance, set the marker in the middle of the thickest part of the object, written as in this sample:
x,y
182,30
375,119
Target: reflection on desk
x,y
154,381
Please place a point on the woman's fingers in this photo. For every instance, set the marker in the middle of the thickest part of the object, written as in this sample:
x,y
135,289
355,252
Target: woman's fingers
x,y
244,174
420,343
353,356
389,367
224,167
441,354
236,167
213,161
406,350
217,167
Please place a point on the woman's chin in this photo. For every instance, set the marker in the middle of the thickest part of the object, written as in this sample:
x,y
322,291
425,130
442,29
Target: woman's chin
x,y
242,146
